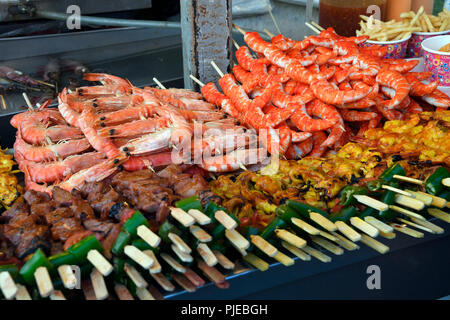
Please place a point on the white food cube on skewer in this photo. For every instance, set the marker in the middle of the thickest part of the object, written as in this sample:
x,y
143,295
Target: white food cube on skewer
x,y
225,220
98,284
148,236
138,256
200,217
100,262
43,281
7,285
182,217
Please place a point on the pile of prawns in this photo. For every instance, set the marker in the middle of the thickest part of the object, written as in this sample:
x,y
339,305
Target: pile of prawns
x,y
305,93
98,130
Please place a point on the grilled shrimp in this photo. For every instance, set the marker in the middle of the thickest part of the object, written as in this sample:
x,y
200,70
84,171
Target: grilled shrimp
x,y
419,89
233,161
396,81
327,93
438,99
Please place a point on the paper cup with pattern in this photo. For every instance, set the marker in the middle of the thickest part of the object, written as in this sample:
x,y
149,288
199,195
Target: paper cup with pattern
x,y
438,62
415,43
396,49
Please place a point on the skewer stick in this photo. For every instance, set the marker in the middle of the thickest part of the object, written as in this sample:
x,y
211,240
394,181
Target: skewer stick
x,y
312,27
374,244
67,276
428,224
406,212
317,254
156,267
201,218
122,292
290,238
425,198
315,24
408,231
184,282
237,239
444,216
182,217
364,227
43,281
100,262
446,182
408,179
396,190
264,246
327,235
207,255
322,221
371,202
27,101
200,234
22,293
381,226
269,33
3,102
348,231
7,285
436,201
409,202
144,294
173,263
327,245
296,251
148,236
135,276
201,84
256,261
163,281
225,220
284,259
344,242
217,68
305,226
179,243
159,84
272,17
236,45
183,256
223,260
98,284
239,29
415,225
138,256
88,291
45,83
57,295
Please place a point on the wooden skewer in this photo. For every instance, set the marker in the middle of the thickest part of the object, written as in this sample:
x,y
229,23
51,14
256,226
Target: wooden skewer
x,y
179,242
223,260
264,246
409,202
446,182
200,234
217,68
256,261
239,29
182,217
207,255
156,267
436,201
408,231
284,259
22,293
159,84
317,254
236,45
399,191
224,219
43,281
344,242
7,285
406,212
273,17
201,218
122,292
348,231
144,294
408,179
315,24
327,235
88,291
381,226
237,239
374,244
371,202
305,226
312,27
415,225
163,281
57,295
425,198
27,101
98,284
135,276
173,263
183,256
138,256
3,102
429,225
201,84
290,238
148,236
67,276
364,227
389,235
269,33
327,245
296,251
100,262
322,221
184,282
444,216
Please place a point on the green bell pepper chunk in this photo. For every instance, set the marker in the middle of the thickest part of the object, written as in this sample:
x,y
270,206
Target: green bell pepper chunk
x,y
368,212
219,231
445,195
210,210
11,268
344,215
388,197
86,269
269,230
303,209
374,185
189,203
136,220
286,213
388,174
63,258
142,245
81,248
348,192
37,260
121,241
434,185
165,229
